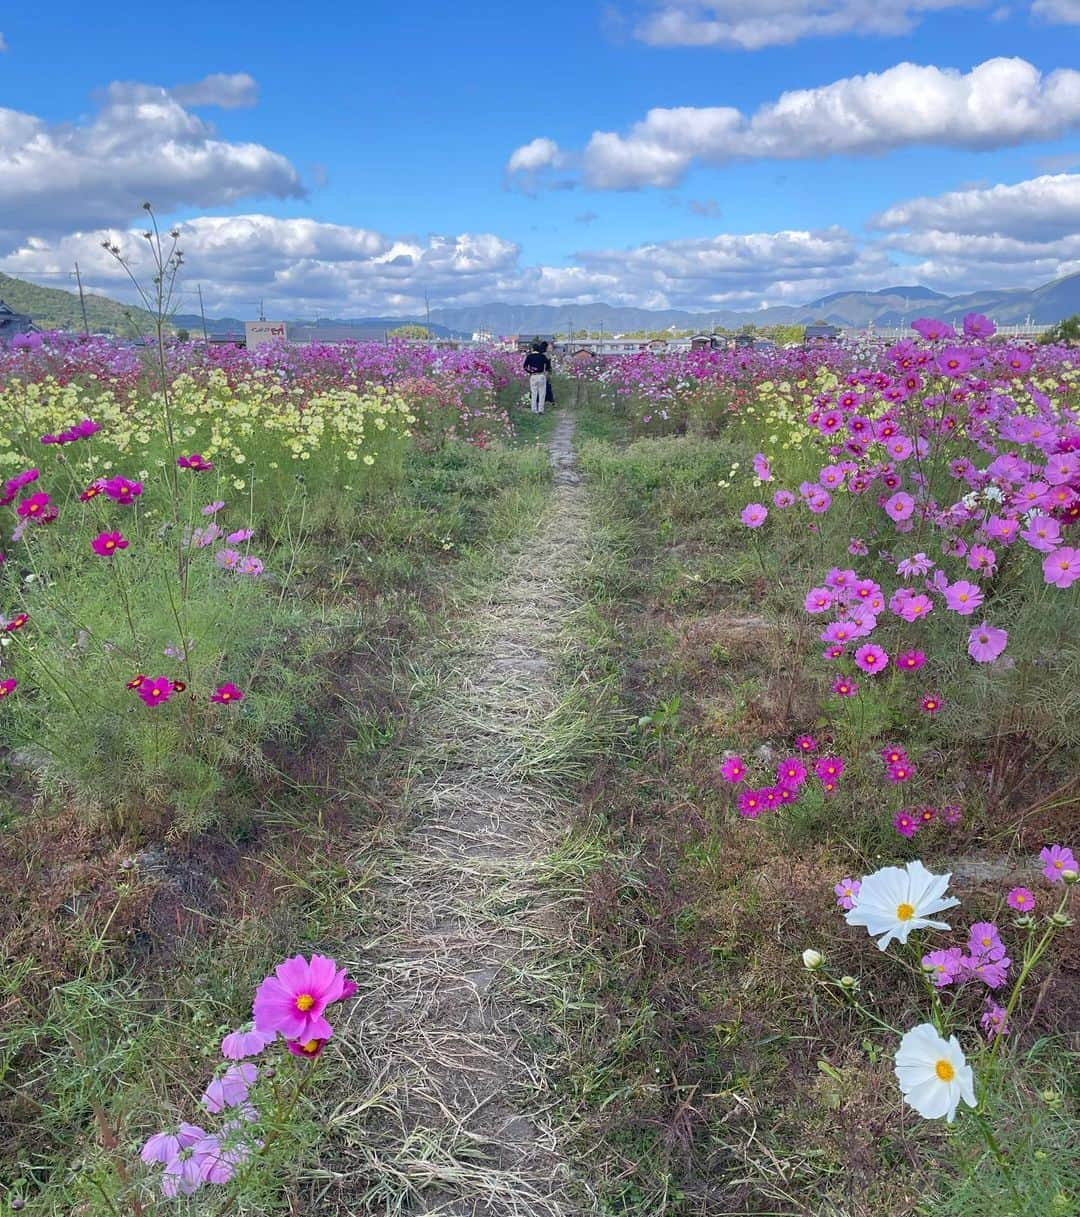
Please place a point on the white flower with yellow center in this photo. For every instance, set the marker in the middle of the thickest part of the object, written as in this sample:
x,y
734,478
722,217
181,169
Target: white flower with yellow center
x,y
933,1073
895,900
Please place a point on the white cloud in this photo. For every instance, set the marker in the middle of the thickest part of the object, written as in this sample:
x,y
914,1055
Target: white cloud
x,y
227,91
998,103
540,153
1057,12
141,144
1039,210
731,24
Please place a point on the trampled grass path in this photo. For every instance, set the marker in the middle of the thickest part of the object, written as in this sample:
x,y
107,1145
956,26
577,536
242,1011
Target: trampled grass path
x,y
450,1110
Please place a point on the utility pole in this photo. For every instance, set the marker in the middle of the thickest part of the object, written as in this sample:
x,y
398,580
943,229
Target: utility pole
x,y
427,311
262,315
82,301
202,314
601,338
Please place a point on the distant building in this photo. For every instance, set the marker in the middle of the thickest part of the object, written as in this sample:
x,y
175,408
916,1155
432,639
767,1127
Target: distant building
x,y
12,323
523,342
821,331
702,342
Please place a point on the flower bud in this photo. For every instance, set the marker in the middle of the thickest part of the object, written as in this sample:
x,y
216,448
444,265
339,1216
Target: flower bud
x,y
812,960
1070,876
1051,1098
1060,919
849,983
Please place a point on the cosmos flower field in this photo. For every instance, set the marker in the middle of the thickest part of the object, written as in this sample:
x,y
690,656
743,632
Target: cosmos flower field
x,y
880,763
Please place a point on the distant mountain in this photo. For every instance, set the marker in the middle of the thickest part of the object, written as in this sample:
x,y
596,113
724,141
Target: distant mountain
x,y
55,309
889,306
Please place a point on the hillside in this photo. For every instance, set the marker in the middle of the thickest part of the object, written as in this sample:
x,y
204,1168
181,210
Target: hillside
x,y
55,309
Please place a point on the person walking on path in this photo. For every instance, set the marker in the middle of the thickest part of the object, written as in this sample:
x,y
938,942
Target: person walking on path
x,y
537,365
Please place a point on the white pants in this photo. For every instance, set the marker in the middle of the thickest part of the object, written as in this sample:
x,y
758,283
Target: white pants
x,y
538,391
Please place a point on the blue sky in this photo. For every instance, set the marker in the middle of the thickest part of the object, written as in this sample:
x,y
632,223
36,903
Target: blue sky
x,y
350,162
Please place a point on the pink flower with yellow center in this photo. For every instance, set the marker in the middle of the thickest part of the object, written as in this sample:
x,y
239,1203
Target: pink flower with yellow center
x,y
294,998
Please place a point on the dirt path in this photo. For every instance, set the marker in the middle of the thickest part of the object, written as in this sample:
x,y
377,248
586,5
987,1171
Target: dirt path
x,y
453,1117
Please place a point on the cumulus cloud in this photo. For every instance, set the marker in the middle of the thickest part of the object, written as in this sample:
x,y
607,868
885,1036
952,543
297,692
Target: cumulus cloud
x,y
1041,209
730,24
227,91
140,144
297,264
998,103
1057,12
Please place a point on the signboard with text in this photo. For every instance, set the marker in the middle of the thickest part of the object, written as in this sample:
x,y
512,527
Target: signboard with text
x,y
259,333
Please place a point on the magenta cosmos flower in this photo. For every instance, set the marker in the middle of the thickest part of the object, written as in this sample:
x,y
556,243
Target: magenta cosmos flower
x,y
900,771
943,966
751,804
1062,568
155,690
195,461
844,687
847,890
761,467
293,1000
7,687
791,772
905,824
121,491
1056,859
871,658
225,694
931,703
805,743
829,768
106,544
910,661
985,643
733,770
753,515
900,506
34,507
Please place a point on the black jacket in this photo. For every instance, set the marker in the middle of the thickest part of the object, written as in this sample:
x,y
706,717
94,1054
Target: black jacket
x,y
537,362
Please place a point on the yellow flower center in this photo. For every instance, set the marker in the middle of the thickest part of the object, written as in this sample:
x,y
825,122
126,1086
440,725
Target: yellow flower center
x,y
986,942
304,1002
904,912
311,1045
945,1071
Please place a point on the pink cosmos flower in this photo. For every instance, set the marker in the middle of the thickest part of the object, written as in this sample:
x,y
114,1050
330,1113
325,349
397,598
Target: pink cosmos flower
x,y
944,966
984,940
240,536
1042,533
910,661
121,491
829,768
791,772
994,1022
783,498
772,797
982,558
212,509
871,658
839,631
227,559
155,691
858,547
1056,859
840,579
1002,528
164,1147
753,515
250,565
751,804
918,564
843,687
1062,468
1020,899
846,892
900,506
231,1088
952,814
761,467
892,754
182,1176
992,972
978,326
242,1043
986,642
925,816
932,330
218,1162
963,597
202,537
818,600
905,824
195,461
805,743
294,998
915,608
931,703
1062,568
226,694
34,507
836,651
106,544
7,687
308,1048
733,770
900,771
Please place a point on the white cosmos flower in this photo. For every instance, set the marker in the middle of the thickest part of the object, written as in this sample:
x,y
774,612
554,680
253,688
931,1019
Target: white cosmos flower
x,y
933,1073
895,900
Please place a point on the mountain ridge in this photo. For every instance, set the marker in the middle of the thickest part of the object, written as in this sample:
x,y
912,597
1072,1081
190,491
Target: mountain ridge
x,y
891,306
